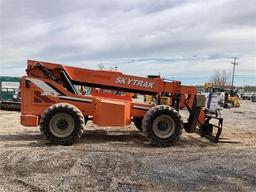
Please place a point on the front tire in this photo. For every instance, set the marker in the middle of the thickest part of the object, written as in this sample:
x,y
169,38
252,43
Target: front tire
x,y
62,124
162,125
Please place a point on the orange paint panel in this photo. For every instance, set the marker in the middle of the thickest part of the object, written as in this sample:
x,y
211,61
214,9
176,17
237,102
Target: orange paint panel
x,y
35,103
140,109
112,113
138,113
115,79
29,120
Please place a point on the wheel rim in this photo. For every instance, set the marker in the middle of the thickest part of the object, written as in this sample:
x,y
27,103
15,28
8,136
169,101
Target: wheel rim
x,y
163,126
61,125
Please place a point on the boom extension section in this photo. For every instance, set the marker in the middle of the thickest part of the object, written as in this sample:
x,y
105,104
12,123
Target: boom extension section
x,y
53,97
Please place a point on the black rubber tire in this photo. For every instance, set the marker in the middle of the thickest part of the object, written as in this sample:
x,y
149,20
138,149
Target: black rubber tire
x,y
138,123
18,108
10,106
72,111
148,120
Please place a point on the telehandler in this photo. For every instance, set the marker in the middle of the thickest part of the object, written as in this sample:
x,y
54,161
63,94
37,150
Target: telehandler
x,y
50,99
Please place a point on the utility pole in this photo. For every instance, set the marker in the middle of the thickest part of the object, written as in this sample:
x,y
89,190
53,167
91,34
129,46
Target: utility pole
x,y
234,63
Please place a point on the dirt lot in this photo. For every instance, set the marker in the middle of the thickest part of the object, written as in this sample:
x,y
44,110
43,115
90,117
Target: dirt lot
x,y
113,159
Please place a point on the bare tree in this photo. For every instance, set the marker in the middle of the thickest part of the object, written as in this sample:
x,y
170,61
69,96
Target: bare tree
x,y
220,78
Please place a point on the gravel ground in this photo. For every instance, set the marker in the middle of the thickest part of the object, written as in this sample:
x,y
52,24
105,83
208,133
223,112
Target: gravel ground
x,y
120,159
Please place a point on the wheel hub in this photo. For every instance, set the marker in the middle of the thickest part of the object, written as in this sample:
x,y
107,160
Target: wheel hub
x,y
62,125
163,126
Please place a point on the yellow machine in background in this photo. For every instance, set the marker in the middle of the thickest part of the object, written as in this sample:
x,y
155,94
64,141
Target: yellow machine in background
x,y
208,87
149,98
152,99
232,98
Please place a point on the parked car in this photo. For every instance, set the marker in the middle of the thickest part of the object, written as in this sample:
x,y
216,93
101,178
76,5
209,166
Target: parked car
x,y
246,96
253,97
243,96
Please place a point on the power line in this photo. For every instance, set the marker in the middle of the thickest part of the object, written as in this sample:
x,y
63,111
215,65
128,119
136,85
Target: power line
x,y
234,63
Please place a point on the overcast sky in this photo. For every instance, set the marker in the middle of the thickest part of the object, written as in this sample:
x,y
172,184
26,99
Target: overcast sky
x,y
187,40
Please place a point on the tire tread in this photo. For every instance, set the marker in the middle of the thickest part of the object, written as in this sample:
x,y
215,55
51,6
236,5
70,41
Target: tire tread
x,y
77,132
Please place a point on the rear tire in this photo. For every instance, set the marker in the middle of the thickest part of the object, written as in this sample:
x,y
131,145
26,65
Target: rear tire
x,y
62,124
162,125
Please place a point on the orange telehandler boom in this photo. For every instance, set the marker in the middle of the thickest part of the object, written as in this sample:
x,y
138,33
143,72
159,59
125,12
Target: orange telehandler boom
x,y
50,98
